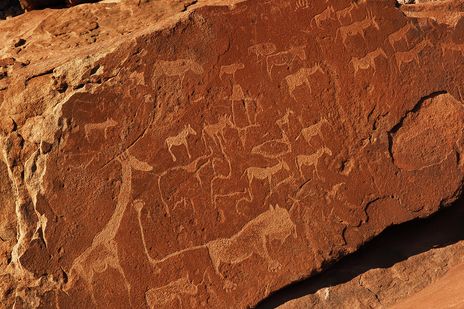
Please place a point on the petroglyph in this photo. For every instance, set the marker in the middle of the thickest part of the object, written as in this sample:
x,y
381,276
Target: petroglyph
x,y
272,149
265,173
453,47
180,139
273,224
326,15
313,130
262,50
230,69
412,54
401,34
367,61
103,252
173,291
302,4
177,68
284,58
301,77
358,28
216,131
312,160
343,13
285,119
108,123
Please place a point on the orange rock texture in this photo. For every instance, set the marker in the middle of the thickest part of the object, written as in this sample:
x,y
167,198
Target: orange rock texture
x,y
206,153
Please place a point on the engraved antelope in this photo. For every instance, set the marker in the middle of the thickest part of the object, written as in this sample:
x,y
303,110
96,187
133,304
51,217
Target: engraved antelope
x,y
216,131
165,295
358,28
230,69
301,77
313,130
312,160
412,54
324,16
284,58
265,173
450,46
177,68
401,34
285,119
108,123
367,61
180,139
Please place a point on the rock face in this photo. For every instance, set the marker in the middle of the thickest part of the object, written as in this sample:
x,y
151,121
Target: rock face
x,y
200,163
429,280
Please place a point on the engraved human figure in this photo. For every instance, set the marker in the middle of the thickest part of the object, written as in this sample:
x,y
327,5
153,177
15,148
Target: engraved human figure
x,y
412,54
367,61
273,224
165,295
312,160
261,50
284,58
180,139
301,77
177,68
358,27
103,252
313,130
401,34
324,16
105,125
230,69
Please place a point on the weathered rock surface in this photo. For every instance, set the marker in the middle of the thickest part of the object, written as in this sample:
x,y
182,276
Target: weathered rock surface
x,y
428,280
201,163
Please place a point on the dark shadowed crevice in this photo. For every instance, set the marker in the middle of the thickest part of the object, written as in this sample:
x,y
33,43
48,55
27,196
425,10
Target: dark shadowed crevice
x,y
394,245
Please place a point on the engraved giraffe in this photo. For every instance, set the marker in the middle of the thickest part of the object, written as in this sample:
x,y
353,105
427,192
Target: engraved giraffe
x,y
273,224
412,54
357,28
103,252
177,68
284,58
180,139
313,130
105,125
367,61
301,77
401,34
230,69
312,160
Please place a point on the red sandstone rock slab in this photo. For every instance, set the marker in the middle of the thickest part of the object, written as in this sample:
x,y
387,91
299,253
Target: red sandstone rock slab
x,y
433,279
207,164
